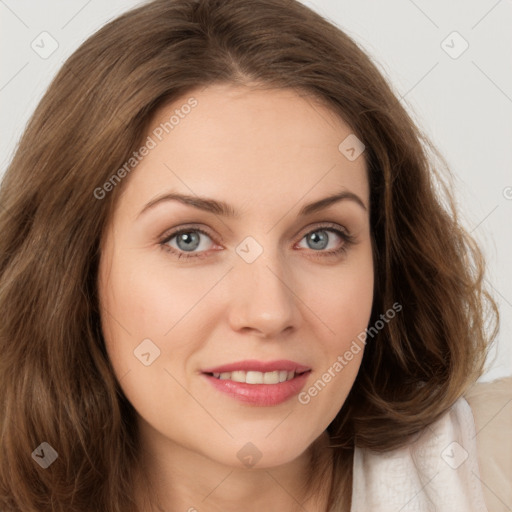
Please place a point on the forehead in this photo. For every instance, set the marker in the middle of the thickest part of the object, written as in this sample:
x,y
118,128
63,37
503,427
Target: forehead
x,y
242,144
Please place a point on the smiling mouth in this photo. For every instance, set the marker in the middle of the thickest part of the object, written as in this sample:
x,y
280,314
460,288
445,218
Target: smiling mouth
x,y
254,377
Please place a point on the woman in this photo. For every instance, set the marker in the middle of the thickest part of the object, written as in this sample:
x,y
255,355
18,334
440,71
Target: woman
x,y
228,280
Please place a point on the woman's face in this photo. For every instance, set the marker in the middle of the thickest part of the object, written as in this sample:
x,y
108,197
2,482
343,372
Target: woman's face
x,y
231,339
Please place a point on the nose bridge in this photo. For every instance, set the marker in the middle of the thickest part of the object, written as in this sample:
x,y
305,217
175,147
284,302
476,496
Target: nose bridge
x,y
262,297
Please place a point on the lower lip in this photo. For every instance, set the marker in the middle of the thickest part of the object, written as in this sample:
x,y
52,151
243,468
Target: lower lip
x,y
260,394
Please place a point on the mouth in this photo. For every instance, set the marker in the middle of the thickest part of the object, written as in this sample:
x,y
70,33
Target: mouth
x,y
259,383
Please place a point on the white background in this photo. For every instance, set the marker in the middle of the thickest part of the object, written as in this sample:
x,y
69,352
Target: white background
x,y
464,104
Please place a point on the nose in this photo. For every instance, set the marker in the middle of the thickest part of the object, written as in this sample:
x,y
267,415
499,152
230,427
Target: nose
x,y
262,298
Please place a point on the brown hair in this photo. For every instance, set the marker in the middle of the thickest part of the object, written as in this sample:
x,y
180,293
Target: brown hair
x,y
56,380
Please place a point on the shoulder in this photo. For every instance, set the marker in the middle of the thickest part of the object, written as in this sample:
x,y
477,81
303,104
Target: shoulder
x,y
491,405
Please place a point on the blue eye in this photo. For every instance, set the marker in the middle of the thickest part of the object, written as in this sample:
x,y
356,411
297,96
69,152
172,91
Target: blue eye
x,y
320,238
187,241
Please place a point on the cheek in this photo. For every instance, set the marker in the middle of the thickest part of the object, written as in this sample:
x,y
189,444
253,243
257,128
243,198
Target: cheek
x,y
142,302
344,303
145,302
342,299
348,306
139,307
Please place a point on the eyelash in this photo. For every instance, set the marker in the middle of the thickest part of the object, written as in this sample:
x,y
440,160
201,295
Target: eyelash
x,y
347,238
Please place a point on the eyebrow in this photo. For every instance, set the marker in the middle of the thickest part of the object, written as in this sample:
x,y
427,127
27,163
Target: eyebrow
x,y
226,210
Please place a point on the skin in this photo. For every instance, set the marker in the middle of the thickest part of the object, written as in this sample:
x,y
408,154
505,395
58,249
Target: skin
x,y
267,153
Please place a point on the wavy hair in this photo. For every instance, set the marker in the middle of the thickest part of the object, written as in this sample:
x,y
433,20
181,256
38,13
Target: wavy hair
x,y
57,384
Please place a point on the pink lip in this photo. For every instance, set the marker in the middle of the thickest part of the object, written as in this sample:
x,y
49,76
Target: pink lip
x,y
259,366
260,394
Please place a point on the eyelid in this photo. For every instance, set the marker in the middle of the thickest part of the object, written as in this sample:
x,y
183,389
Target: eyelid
x,y
200,227
170,233
348,238
325,225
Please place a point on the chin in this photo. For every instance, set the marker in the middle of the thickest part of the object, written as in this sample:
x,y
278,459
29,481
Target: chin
x,y
261,452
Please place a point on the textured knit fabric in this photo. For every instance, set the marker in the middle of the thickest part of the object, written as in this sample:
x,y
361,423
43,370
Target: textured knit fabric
x,y
437,472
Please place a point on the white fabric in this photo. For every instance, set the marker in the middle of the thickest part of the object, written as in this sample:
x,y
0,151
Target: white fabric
x,y
438,471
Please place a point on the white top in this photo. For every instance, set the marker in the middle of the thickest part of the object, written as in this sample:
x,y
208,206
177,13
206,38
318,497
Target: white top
x,y
436,472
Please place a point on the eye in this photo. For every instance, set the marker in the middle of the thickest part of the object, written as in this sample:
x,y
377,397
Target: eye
x,y
194,242
324,237
187,240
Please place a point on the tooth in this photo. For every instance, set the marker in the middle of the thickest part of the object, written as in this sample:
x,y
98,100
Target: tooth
x,y
271,377
254,378
238,376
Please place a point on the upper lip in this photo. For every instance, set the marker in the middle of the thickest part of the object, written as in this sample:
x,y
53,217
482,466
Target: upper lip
x,y
259,366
